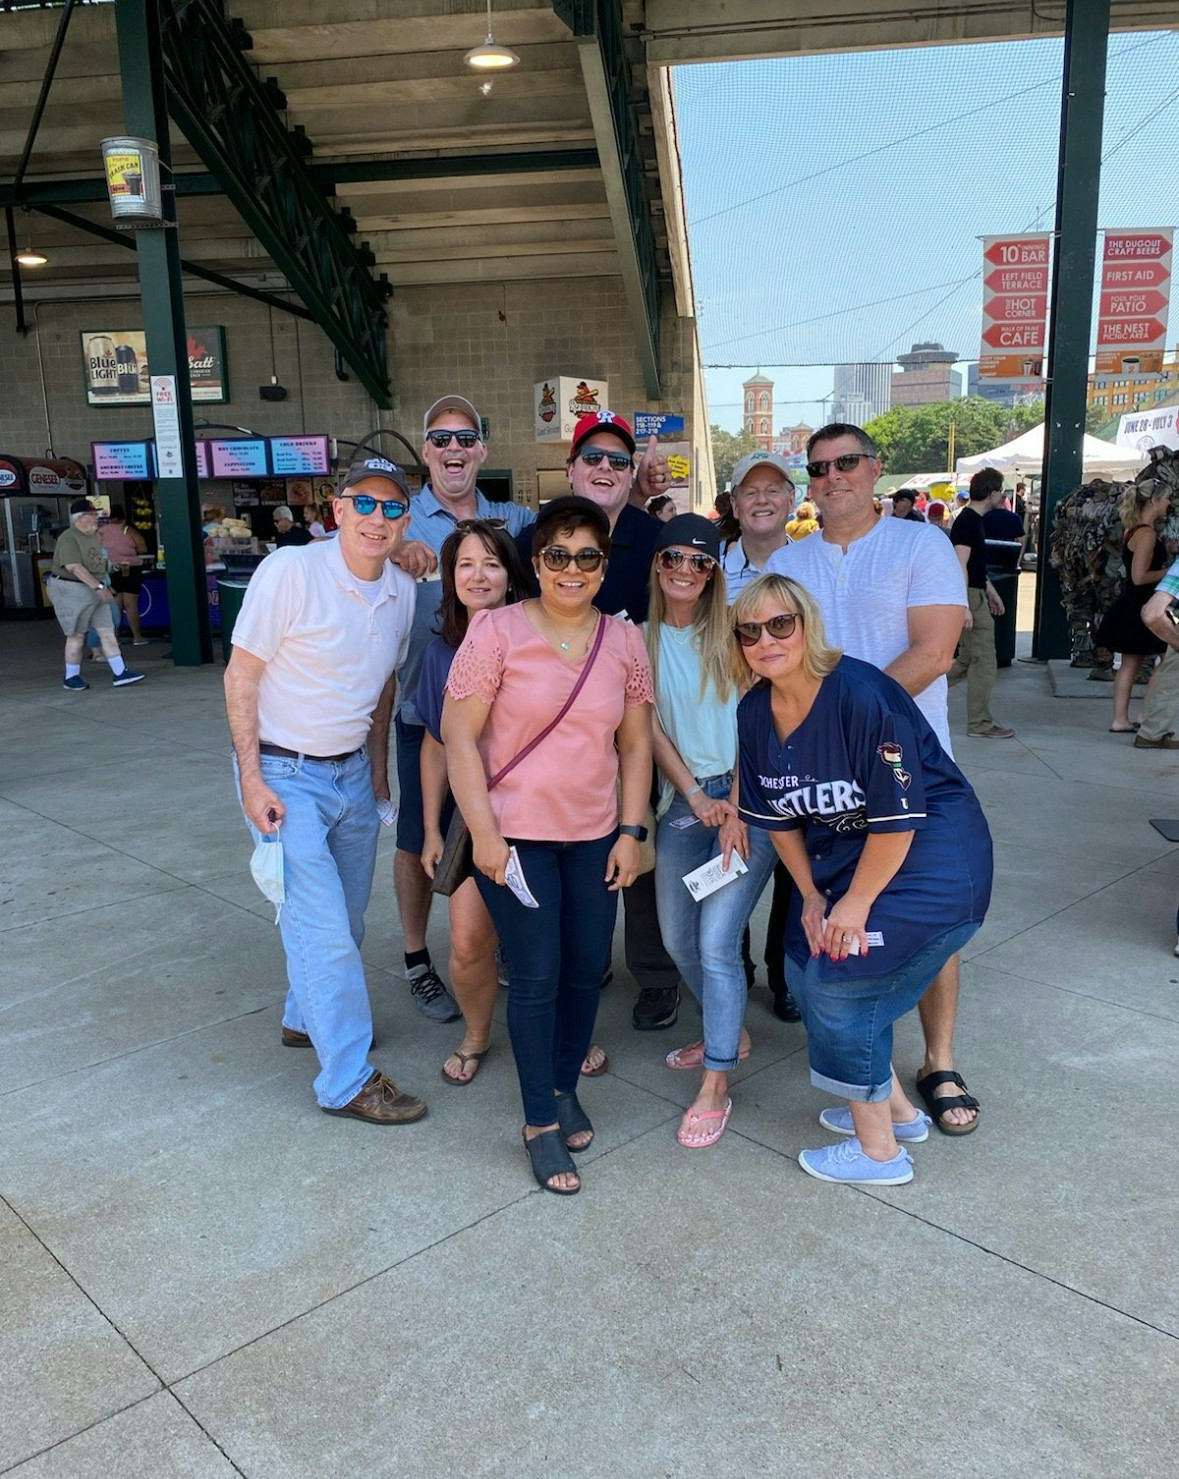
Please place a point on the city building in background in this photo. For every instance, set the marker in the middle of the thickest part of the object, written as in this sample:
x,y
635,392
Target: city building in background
x,y
926,375
1009,393
862,392
1118,395
758,419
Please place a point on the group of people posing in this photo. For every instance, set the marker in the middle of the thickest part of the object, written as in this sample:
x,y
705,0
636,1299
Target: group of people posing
x,y
565,689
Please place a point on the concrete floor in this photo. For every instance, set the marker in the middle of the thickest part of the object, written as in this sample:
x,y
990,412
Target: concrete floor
x,y
201,1275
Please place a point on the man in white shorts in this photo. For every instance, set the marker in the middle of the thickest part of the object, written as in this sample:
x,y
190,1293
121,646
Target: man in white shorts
x,y
892,593
309,693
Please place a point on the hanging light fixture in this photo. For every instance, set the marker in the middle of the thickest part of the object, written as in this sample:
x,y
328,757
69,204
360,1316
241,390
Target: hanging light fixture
x,y
28,256
490,57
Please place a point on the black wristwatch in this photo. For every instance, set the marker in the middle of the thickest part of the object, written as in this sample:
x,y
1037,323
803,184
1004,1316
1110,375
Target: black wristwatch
x,y
638,833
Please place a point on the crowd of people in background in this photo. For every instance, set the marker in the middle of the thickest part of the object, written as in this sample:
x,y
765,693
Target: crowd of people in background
x,y
619,700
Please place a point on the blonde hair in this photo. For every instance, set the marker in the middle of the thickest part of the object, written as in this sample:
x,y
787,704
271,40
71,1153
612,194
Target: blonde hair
x,y
711,632
1134,501
818,659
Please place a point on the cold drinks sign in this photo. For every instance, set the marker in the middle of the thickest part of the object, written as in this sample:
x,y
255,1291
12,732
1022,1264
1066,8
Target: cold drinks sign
x,y
117,372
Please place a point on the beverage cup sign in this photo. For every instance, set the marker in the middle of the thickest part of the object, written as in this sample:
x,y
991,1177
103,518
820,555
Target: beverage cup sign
x,y
1131,364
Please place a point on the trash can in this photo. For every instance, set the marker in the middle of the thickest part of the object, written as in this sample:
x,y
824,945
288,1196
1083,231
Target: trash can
x,y
230,595
1003,573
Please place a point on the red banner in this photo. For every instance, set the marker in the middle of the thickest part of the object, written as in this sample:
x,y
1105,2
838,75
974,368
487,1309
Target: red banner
x,y
1015,306
1135,295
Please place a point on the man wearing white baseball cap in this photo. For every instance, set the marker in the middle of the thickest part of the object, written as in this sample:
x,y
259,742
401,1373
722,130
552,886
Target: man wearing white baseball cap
x,y
762,498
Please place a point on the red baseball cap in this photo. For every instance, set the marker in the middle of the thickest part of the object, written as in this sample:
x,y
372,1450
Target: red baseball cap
x,y
596,421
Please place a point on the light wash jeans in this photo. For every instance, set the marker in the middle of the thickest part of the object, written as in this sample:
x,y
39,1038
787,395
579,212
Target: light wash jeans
x,y
704,939
329,847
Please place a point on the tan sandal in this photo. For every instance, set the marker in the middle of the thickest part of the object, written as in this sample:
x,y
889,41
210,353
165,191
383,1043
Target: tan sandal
x,y
464,1059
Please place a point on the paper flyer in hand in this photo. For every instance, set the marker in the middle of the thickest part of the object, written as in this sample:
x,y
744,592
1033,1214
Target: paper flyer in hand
x,y
710,876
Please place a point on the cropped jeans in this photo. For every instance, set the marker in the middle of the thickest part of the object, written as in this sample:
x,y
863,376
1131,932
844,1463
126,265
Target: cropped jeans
x,y
556,958
704,939
329,848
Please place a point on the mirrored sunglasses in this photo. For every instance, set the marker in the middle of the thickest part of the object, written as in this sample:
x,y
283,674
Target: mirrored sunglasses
x,y
440,439
365,504
672,559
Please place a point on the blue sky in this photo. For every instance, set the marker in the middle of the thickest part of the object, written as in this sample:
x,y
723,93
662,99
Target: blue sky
x,y
835,202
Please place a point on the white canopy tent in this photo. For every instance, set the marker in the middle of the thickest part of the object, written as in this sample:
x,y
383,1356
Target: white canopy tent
x,y
1026,455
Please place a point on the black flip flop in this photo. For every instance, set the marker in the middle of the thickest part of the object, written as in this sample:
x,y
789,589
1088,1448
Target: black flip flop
x,y
550,1157
938,1105
573,1120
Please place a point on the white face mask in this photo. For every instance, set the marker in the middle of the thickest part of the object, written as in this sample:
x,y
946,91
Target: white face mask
x,y
266,866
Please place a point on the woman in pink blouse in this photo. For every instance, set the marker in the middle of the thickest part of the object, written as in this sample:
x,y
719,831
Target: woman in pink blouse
x,y
552,821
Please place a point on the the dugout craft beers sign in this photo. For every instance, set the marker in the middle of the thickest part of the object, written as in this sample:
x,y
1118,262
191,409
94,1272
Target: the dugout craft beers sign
x,y
1135,295
1015,306
560,402
117,374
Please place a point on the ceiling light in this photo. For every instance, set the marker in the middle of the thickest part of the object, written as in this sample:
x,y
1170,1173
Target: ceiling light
x,y
490,57
31,258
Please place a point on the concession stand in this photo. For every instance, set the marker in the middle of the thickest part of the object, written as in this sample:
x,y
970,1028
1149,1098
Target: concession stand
x,y
35,498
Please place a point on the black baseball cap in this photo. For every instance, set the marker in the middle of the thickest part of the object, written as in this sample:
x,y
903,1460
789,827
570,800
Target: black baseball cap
x,y
693,532
374,467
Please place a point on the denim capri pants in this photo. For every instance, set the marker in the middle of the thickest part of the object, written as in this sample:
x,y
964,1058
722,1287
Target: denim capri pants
x,y
849,1020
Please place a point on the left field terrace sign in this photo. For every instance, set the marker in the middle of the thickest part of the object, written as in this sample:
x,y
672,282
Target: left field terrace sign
x,y
117,373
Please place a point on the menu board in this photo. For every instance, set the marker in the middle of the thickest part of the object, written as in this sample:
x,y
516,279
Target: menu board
x,y
299,457
243,457
118,462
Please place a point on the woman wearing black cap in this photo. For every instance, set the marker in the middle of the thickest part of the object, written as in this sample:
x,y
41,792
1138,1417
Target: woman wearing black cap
x,y
547,706
689,642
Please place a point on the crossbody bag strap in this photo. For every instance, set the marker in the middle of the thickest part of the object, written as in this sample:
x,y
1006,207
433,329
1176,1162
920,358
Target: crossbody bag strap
x,y
565,707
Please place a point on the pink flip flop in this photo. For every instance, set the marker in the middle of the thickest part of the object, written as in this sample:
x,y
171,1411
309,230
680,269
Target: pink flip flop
x,y
720,1123
693,1056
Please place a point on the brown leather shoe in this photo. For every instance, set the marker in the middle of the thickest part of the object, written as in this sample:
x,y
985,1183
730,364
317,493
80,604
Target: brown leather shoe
x,y
381,1102
293,1039
992,731
1164,742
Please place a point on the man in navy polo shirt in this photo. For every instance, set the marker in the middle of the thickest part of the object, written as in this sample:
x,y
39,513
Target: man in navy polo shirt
x,y
453,450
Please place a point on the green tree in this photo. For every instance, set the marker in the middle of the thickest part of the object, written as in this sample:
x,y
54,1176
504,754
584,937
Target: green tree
x,y
915,439
728,448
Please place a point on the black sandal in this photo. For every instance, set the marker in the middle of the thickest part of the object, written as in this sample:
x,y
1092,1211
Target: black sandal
x,y
550,1157
573,1120
939,1104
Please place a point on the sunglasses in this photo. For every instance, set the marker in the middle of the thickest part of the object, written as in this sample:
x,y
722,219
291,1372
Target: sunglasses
x,y
672,559
440,439
365,504
466,526
748,633
847,463
556,558
592,457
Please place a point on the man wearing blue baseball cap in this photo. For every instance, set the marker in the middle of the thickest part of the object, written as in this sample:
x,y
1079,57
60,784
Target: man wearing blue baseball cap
x,y
308,692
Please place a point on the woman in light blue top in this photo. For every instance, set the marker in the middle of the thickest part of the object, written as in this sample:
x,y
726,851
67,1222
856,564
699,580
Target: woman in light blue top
x,y
695,744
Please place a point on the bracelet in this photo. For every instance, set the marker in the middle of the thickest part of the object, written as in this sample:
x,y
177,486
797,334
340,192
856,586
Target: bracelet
x,y
692,792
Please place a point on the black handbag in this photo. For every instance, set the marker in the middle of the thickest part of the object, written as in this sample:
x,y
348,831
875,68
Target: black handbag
x,y
455,865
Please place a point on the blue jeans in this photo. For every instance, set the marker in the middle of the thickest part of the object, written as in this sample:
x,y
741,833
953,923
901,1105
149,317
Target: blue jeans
x,y
556,957
704,939
329,848
849,1022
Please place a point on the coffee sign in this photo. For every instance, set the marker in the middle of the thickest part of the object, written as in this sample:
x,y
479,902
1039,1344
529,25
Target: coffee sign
x,y
117,372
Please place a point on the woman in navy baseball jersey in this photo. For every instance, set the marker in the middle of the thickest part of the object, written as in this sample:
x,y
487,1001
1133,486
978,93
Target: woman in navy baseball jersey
x,y
889,851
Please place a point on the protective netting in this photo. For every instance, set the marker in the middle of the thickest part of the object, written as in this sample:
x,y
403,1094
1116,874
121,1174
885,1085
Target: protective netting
x,y
835,202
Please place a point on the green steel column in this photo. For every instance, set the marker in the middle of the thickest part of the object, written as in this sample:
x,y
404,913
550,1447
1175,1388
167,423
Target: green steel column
x,y
1086,40
161,287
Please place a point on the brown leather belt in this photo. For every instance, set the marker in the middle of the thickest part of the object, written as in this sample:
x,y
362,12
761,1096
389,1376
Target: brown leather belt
x,y
284,754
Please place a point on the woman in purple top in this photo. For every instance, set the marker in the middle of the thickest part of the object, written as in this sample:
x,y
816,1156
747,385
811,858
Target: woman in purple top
x,y
480,570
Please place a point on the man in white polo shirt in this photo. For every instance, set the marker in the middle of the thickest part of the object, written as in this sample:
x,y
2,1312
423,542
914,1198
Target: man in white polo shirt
x,y
309,691
892,593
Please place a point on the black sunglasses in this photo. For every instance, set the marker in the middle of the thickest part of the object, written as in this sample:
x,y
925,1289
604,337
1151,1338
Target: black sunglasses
x,y
672,559
847,463
748,633
592,456
465,526
440,439
365,504
556,557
